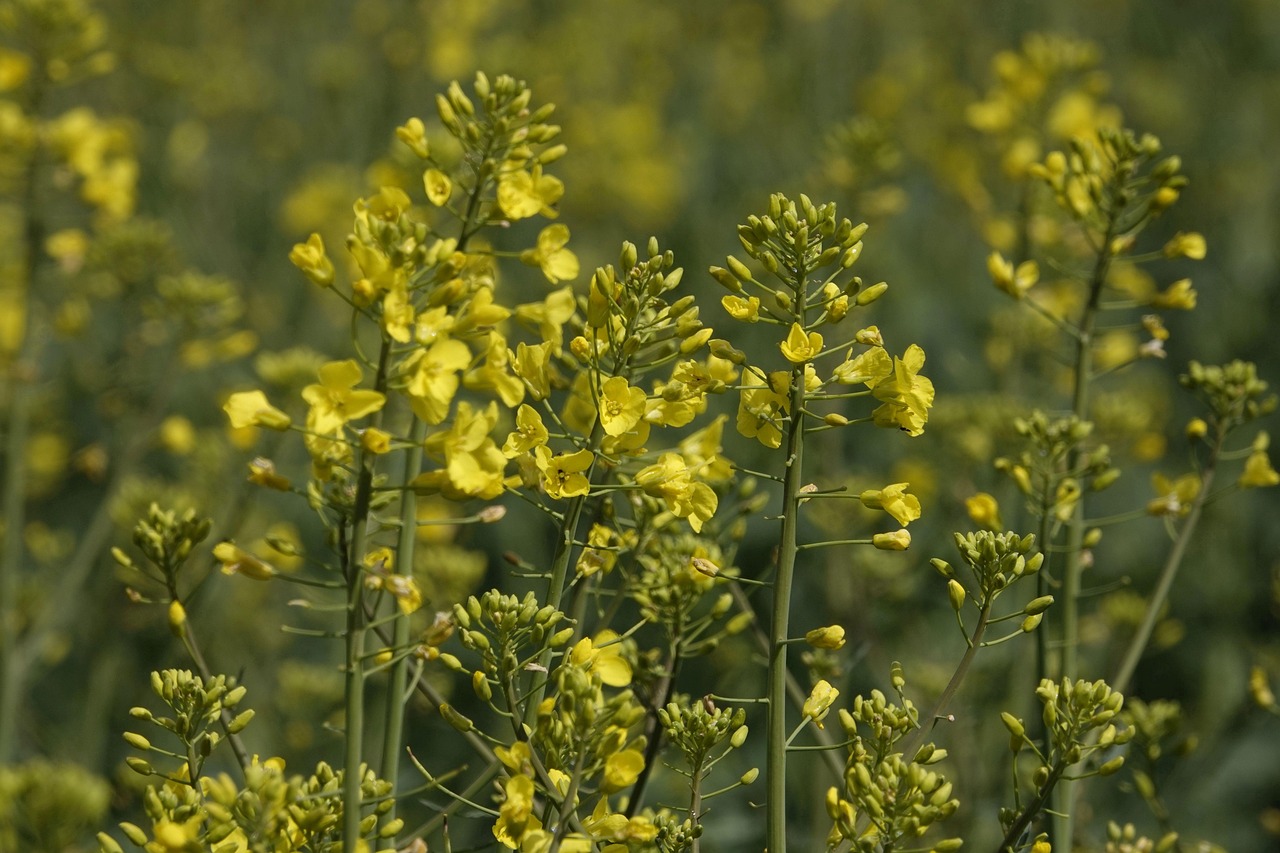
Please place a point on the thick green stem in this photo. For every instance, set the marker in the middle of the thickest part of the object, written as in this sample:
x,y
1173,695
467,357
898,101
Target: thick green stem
x,y
1160,595
779,625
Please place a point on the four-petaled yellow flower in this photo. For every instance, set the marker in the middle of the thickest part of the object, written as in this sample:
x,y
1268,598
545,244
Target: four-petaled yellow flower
x,y
563,475
551,255
335,400
523,194
906,394
515,816
746,310
603,656
529,433
251,408
820,700
532,365
671,479
801,347
761,411
433,378
620,406
894,500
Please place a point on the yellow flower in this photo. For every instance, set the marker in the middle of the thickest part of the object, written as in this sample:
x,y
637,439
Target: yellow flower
x,y
495,373
1188,245
397,308
413,133
830,637
898,540
868,368
375,440
761,411
671,479
433,378
869,337
820,700
800,347
1180,296
550,315
529,433
894,500
310,257
620,406
1258,472
334,400
237,561
515,815
262,471
984,511
1175,496
563,475
177,435
746,310
523,194
557,262
603,656
405,591
532,366
622,769
438,186
1015,282
905,394
388,203
250,408
474,466
480,311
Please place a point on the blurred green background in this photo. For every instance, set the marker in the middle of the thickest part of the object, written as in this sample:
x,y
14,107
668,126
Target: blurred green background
x,y
256,123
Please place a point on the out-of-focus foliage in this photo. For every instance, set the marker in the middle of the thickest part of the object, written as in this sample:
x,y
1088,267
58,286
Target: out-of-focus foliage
x,y
172,153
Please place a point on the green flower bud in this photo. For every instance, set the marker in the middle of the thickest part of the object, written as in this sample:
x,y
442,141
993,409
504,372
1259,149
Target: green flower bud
x,y
453,718
955,592
1031,622
1038,605
134,833
739,737
139,765
1013,724
480,684
1111,766
391,828
137,741
871,294
750,776
107,844
241,720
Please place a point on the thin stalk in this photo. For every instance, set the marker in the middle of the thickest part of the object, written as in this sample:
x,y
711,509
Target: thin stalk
x,y
353,558
776,762
1009,844
393,733
1064,824
1160,595
916,738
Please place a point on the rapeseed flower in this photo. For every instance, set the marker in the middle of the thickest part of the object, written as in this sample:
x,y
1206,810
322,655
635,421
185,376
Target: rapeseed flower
x,y
335,399
906,395
564,474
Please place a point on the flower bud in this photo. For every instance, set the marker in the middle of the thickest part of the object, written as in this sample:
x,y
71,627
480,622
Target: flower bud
x,y
750,776
871,294
955,591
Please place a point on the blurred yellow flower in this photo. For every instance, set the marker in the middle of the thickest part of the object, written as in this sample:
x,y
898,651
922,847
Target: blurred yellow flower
x,y
898,540
433,378
906,395
1175,496
1186,245
1258,472
237,561
310,257
984,511
522,194
251,408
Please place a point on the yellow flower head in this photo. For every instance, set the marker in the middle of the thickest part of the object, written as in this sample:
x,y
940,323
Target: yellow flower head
x,y
250,408
1015,282
746,310
1175,496
801,347
894,500
620,406
557,262
984,511
310,257
433,378
1258,472
522,194
237,561
906,395
868,368
898,540
1180,296
529,433
830,637
413,133
622,769
563,475
1186,245
335,400
438,186
820,700
603,656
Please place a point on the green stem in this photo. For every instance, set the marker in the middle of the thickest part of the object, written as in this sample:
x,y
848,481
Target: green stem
x,y
1063,827
776,762
393,733
1160,595
1009,844
353,559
